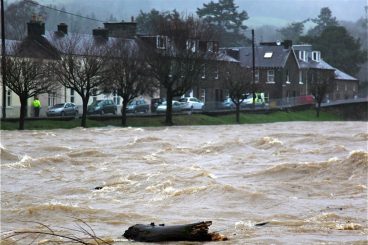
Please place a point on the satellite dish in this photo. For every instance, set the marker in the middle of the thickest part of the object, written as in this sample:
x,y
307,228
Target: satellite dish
x,y
278,42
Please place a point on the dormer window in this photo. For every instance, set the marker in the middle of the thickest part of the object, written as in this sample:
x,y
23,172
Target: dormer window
x,y
316,56
161,42
268,55
303,55
192,45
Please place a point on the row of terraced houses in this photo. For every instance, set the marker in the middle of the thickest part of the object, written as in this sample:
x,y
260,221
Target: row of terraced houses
x,y
284,69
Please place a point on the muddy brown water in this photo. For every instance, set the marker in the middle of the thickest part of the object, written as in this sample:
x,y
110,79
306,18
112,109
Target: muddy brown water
x,y
308,179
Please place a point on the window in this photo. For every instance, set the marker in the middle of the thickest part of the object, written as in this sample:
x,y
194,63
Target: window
x,y
316,56
116,98
353,87
161,42
210,47
202,95
94,94
346,87
337,87
256,76
300,77
271,76
268,55
216,73
8,97
303,55
51,98
287,77
204,72
192,45
72,97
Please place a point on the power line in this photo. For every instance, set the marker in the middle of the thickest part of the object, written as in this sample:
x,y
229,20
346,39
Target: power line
x,y
62,11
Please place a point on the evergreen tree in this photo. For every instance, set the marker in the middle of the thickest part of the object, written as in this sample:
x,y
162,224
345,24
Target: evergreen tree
x,y
323,21
339,48
228,21
292,32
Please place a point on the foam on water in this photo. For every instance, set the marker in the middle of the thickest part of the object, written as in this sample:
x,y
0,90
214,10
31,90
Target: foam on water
x,y
308,180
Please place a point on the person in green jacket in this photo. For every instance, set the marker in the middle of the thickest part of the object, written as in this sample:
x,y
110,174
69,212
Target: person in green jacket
x,y
36,106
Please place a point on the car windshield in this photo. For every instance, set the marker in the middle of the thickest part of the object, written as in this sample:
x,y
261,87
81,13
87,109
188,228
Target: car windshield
x,y
183,100
97,102
58,106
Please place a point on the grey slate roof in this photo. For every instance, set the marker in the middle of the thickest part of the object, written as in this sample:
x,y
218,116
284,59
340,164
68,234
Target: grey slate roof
x,y
278,58
31,47
340,75
311,64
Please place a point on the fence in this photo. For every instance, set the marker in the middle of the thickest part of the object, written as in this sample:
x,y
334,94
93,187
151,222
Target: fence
x,y
280,103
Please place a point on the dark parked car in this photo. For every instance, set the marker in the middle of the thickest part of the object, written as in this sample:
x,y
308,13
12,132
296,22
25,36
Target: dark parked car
x,y
62,109
102,107
138,106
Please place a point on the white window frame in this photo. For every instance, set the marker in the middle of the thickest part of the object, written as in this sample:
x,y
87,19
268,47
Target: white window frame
x,y
72,95
193,45
270,77
316,56
203,95
303,55
161,42
94,94
204,72
301,77
51,100
8,97
287,77
116,97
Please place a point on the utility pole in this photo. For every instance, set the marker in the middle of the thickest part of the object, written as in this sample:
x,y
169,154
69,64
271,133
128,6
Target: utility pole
x,y
3,63
253,71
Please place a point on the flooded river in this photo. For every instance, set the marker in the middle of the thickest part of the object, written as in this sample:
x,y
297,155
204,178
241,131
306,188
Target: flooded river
x,y
307,179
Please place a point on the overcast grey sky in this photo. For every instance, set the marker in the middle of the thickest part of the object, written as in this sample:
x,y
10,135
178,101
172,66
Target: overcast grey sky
x,y
271,12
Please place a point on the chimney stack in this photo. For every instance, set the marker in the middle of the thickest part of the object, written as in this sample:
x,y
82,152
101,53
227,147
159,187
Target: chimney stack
x,y
36,26
100,34
122,29
62,28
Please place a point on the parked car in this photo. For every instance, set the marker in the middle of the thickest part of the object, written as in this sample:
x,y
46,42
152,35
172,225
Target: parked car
x,y
191,103
155,102
102,107
138,106
62,109
176,107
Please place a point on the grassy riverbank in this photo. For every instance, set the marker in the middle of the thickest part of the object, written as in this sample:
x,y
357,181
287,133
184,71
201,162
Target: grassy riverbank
x,y
179,120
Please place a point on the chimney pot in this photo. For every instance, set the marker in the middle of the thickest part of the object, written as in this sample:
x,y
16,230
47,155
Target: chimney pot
x,y
62,28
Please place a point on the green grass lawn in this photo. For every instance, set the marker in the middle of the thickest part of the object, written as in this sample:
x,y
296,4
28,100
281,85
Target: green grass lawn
x,y
179,120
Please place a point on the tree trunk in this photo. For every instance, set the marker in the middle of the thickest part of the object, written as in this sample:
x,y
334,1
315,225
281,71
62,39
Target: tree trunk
x,y
123,112
84,113
237,113
23,111
161,233
318,108
169,98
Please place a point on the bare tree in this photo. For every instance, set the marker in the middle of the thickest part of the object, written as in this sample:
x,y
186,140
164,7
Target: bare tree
x,y
176,60
320,85
27,77
127,73
82,65
238,80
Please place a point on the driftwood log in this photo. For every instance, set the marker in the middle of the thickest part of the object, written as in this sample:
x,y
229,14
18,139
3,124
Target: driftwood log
x,y
160,233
